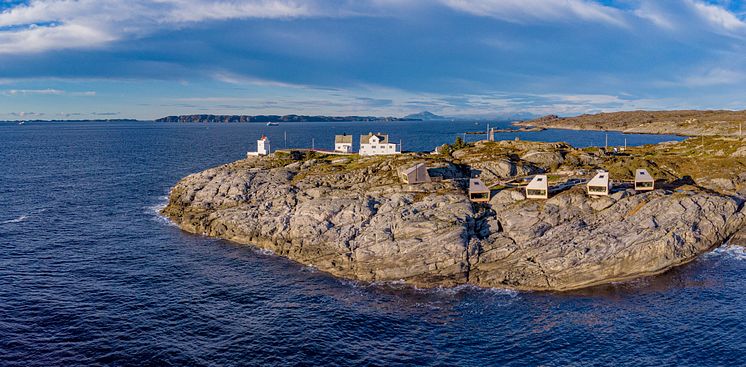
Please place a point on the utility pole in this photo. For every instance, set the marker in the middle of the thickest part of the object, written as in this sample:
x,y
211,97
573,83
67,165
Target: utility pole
x,y
286,139
625,144
740,130
313,144
606,146
400,149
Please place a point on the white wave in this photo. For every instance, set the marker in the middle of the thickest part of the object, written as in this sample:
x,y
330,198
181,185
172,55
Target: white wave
x,y
155,211
440,290
17,220
731,252
268,252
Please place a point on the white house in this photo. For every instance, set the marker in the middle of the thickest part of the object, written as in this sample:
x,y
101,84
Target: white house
x,y
538,188
644,181
377,144
343,143
262,147
415,174
599,185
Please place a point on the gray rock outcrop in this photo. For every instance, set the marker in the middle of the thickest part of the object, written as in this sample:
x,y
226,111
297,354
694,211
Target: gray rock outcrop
x,y
355,220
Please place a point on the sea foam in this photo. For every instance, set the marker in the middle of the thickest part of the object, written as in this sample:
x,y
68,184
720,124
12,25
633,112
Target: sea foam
x,y
16,220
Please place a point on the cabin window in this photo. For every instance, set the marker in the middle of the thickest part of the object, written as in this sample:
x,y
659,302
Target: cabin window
x,y
479,196
597,188
534,192
644,184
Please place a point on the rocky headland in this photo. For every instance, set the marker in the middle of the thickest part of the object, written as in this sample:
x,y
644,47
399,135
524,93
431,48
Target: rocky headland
x,y
681,122
353,217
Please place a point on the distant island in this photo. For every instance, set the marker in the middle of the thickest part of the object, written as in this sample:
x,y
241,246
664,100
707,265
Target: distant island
x,y
276,118
681,122
425,116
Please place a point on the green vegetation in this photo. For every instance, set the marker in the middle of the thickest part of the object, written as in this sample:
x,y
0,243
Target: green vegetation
x,y
448,149
713,162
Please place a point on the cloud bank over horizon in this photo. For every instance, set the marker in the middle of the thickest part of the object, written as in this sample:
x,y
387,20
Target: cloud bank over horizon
x,y
148,58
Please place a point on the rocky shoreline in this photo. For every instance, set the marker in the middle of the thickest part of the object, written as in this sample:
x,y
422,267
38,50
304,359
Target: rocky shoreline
x,y
682,122
353,218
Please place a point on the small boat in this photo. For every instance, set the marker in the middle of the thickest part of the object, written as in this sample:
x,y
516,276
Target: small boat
x,y
273,124
21,122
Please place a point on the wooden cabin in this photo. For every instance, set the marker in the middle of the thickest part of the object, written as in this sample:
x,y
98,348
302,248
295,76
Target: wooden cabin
x,y
644,181
478,192
599,185
415,175
538,188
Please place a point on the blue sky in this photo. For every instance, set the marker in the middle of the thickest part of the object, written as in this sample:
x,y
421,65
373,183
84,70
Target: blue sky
x,y
150,58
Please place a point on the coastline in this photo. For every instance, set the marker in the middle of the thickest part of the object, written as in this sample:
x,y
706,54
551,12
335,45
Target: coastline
x,y
676,122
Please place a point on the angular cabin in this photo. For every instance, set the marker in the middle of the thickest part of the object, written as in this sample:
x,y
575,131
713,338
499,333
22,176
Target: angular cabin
x,y
478,192
644,181
415,175
599,185
538,188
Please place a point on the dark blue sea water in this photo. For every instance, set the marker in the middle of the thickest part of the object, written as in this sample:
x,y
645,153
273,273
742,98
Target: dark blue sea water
x,y
91,275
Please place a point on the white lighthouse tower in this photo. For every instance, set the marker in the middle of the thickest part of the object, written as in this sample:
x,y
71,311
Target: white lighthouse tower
x,y
262,147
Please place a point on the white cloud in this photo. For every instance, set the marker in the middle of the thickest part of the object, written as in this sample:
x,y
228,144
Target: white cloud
x,y
231,78
521,11
23,92
72,24
47,92
192,11
718,16
652,13
715,76
37,39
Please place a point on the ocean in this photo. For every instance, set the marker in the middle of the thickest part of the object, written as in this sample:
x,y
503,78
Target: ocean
x,y
90,274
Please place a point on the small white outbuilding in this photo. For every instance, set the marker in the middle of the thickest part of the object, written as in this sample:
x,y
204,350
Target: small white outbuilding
x,y
644,181
600,184
262,147
343,143
538,188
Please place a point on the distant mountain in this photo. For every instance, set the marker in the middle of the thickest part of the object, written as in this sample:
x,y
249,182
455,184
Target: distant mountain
x,y
276,118
425,116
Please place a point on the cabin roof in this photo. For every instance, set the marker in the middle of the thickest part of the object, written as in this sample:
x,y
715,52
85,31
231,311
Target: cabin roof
x,y
476,185
601,179
413,168
382,138
539,182
642,175
343,139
